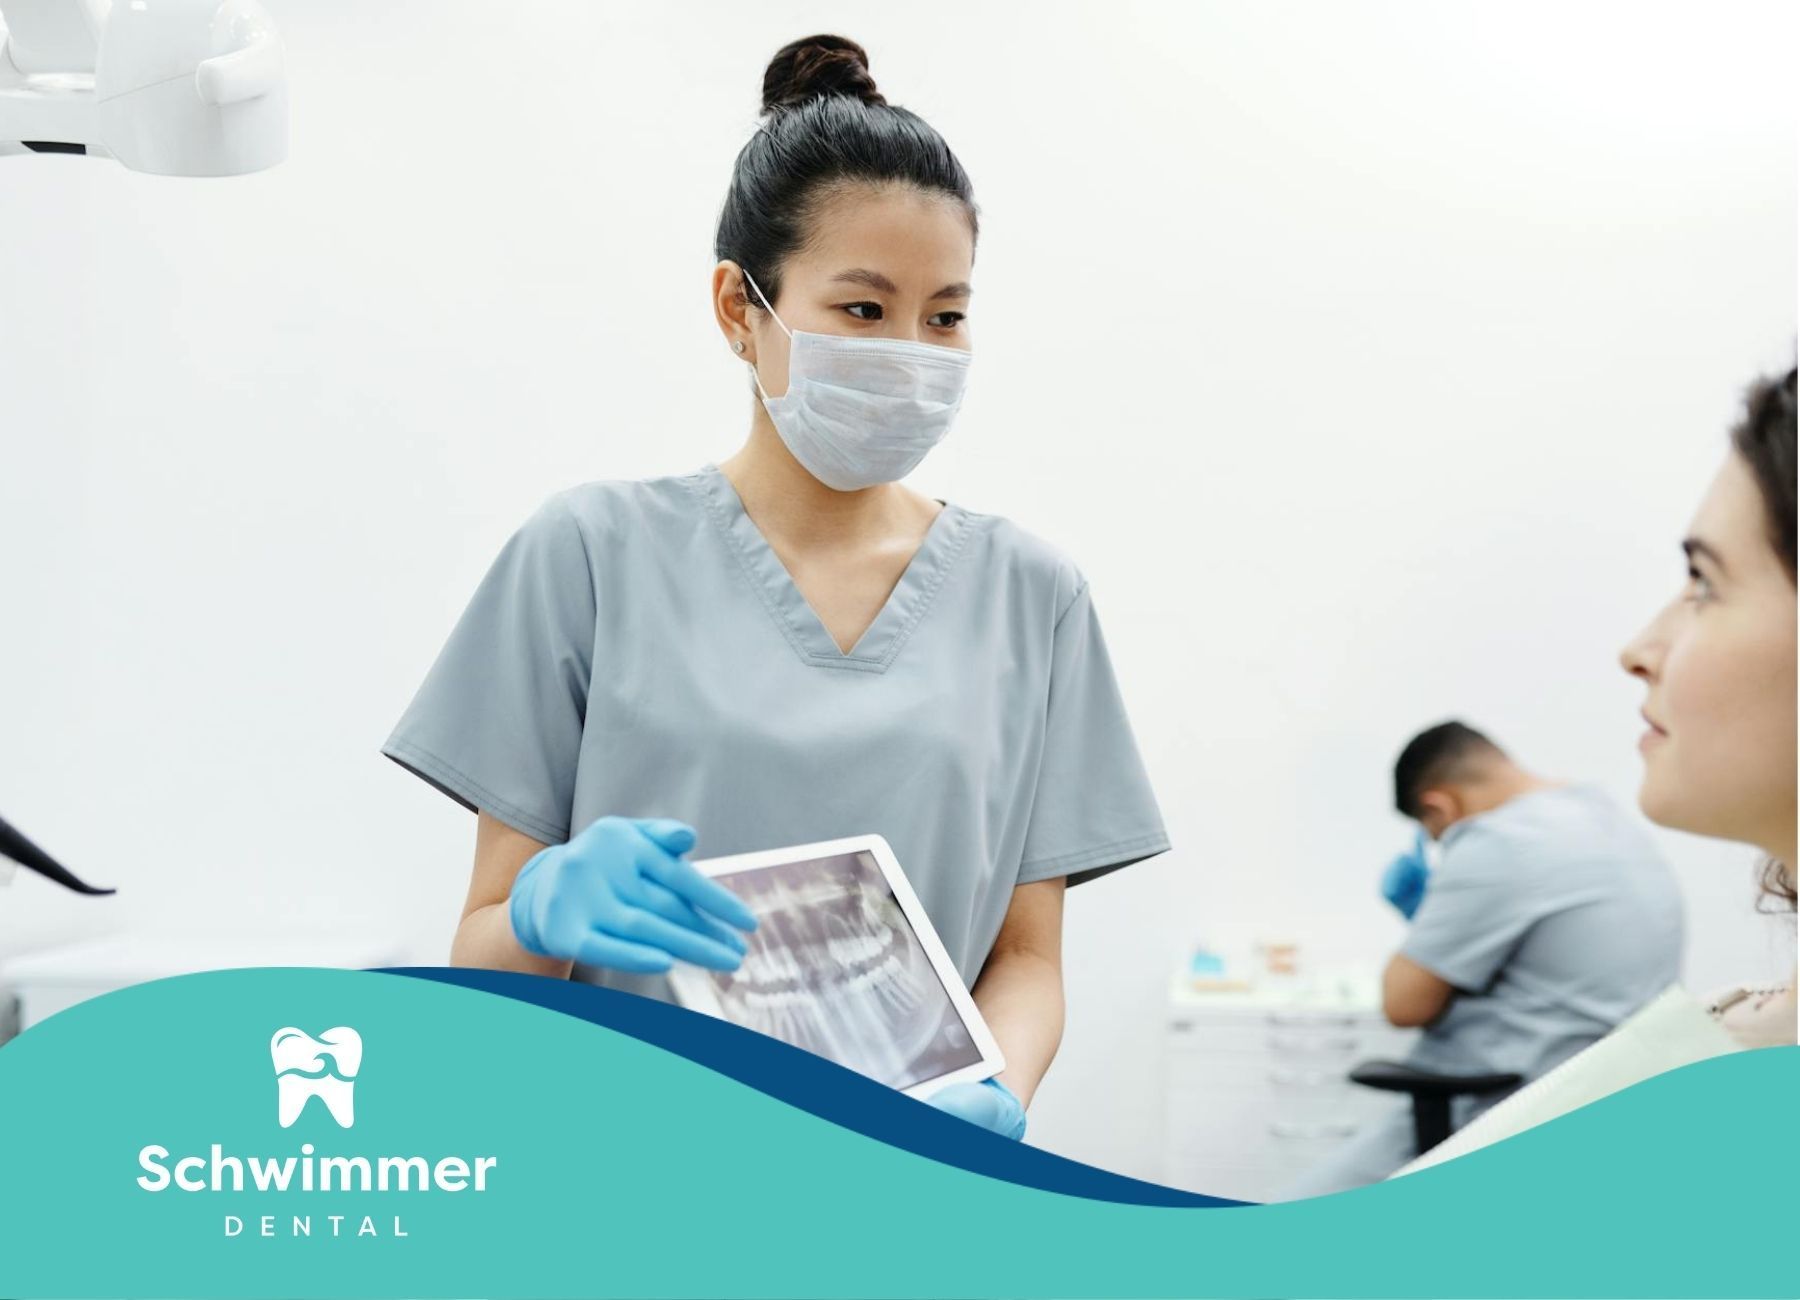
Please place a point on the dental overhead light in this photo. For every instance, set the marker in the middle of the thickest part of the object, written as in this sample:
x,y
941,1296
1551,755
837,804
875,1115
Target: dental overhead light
x,y
169,87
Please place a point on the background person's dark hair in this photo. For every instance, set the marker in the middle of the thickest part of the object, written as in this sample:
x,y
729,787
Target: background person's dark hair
x,y
1765,439
1449,751
824,126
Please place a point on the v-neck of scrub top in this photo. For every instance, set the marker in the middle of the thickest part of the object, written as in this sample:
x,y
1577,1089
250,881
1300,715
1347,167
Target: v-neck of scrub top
x,y
804,630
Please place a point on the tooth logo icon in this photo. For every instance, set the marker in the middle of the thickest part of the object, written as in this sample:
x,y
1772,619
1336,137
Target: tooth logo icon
x,y
324,1067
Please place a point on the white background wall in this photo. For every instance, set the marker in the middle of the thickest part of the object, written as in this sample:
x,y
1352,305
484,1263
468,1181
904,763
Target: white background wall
x,y
1369,358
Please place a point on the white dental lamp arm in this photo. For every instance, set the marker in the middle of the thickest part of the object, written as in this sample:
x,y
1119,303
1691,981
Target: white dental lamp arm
x,y
246,73
173,87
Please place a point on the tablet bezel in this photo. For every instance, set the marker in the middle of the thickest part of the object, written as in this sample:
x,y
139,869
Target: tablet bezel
x,y
694,990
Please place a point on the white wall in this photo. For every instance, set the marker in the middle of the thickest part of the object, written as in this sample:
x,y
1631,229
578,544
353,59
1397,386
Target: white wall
x,y
1369,359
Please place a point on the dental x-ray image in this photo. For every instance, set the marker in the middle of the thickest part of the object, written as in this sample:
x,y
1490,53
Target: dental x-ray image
x,y
835,968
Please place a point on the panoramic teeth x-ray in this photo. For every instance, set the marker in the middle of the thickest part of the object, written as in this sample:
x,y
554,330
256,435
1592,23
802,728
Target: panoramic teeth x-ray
x,y
835,968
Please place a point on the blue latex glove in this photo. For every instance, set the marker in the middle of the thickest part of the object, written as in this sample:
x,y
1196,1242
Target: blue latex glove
x,y
621,895
1403,883
990,1104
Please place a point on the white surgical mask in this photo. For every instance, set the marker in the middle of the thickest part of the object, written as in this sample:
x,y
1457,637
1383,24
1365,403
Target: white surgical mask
x,y
862,411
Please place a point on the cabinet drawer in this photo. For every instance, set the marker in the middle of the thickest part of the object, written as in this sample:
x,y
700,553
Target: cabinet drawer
x,y
1283,1146
1262,1069
1320,1040
1253,1164
1296,1021
1268,1112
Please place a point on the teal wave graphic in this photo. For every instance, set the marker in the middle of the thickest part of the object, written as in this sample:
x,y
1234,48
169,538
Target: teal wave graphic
x,y
816,1085
623,1168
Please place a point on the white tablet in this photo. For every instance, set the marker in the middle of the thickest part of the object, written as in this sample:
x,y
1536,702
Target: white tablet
x,y
845,964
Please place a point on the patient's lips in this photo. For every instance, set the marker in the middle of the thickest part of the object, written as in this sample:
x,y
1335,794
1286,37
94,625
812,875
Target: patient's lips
x,y
324,1067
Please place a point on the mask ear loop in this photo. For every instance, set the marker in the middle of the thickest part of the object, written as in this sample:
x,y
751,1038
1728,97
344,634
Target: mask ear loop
x,y
770,307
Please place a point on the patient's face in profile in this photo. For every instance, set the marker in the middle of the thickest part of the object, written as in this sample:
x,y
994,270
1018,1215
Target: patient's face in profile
x,y
1718,665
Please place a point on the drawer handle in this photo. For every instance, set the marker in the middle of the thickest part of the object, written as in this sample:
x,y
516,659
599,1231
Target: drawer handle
x,y
1301,1020
1289,1131
1303,1078
1294,1043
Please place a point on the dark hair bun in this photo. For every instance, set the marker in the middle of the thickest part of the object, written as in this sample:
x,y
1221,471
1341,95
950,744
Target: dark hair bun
x,y
815,66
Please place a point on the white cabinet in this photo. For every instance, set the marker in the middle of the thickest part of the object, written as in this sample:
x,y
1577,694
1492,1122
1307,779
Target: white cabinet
x,y
1257,1087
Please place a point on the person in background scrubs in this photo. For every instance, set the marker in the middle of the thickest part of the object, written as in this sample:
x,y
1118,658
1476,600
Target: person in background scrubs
x,y
791,645
1551,917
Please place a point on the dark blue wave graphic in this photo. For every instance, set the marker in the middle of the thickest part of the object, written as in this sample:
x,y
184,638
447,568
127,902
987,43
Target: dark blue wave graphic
x,y
814,1084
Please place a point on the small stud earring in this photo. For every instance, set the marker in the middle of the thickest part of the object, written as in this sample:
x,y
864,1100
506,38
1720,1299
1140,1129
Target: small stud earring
x,y
738,346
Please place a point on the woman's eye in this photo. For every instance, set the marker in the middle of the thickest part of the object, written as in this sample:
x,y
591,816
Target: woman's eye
x,y
857,309
1698,586
948,319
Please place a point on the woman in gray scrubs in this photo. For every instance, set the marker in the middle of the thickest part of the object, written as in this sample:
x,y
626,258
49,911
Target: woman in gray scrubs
x,y
790,646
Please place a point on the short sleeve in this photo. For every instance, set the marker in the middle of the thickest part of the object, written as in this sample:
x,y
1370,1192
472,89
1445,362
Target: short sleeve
x,y
1476,910
1092,810
497,723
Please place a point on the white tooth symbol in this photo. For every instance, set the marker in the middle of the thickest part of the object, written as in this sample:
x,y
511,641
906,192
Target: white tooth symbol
x,y
301,1072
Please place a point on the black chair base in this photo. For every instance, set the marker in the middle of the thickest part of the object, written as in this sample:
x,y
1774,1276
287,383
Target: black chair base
x,y
1431,1093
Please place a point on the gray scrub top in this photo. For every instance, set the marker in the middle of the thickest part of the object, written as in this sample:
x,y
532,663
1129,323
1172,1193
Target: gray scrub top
x,y
1555,917
639,649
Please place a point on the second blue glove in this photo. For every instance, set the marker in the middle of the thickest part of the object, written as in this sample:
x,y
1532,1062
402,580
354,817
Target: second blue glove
x,y
990,1104
1403,883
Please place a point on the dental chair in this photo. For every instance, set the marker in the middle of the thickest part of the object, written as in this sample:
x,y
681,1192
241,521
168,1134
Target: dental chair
x,y
1431,1093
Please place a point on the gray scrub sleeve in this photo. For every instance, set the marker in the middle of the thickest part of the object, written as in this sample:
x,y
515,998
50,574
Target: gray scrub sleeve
x,y
1476,910
1093,810
497,723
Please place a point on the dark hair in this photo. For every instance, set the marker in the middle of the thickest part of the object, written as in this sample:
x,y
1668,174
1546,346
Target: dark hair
x,y
824,126
1765,439
1776,882
1449,751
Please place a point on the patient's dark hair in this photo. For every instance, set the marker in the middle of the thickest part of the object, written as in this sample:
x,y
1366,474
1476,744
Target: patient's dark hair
x,y
1778,885
1765,440
1450,751
824,127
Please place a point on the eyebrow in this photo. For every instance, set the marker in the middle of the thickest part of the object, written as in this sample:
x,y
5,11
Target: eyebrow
x,y
879,282
1694,548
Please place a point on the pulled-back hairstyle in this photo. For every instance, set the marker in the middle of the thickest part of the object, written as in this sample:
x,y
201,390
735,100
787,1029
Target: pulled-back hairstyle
x,y
824,127
1450,751
1764,438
